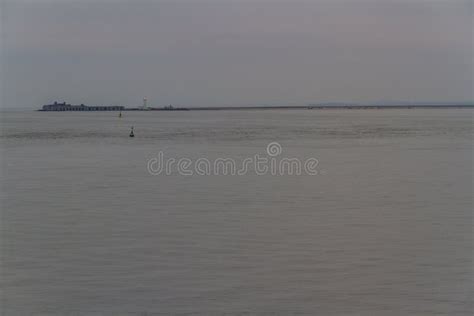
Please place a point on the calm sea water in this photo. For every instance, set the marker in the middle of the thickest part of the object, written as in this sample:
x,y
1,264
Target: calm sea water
x,y
384,228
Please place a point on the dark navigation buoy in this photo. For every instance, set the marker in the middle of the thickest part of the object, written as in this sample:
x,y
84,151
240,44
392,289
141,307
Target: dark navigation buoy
x,y
131,133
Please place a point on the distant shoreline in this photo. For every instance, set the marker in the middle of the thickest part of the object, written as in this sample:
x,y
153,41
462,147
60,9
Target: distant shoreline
x,y
329,107
284,107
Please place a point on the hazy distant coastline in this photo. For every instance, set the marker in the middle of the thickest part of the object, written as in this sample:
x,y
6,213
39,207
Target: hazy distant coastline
x,y
73,108
333,107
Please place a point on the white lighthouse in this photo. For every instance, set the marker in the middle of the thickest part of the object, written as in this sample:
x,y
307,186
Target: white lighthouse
x,y
144,107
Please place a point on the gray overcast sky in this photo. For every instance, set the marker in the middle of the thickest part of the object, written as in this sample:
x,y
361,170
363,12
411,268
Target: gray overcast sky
x,y
231,52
